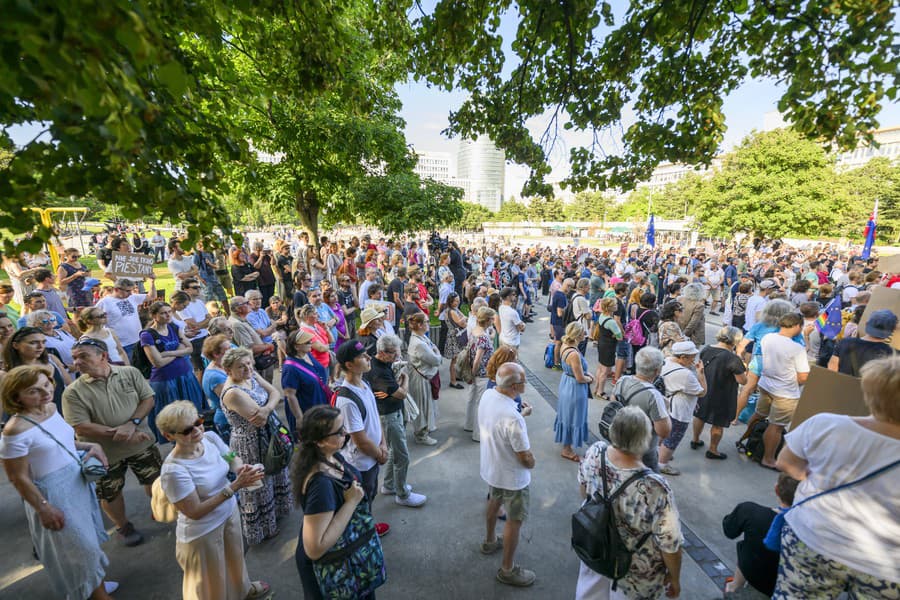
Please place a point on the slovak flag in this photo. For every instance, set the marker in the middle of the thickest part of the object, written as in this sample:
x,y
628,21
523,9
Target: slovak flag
x,y
869,234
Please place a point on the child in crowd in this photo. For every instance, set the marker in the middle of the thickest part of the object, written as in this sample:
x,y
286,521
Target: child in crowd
x,y
757,565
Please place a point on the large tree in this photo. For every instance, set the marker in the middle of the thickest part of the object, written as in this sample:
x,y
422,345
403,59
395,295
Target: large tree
x,y
859,188
654,76
774,184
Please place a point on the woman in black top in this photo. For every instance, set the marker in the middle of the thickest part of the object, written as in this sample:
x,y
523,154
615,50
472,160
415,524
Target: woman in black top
x,y
326,487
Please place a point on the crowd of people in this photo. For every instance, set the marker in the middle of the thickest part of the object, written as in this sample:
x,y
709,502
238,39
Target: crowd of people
x,y
341,343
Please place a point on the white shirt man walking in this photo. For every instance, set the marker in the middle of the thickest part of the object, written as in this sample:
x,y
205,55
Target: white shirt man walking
x,y
506,463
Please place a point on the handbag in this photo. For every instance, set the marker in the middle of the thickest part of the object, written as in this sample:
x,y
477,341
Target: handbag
x,y
261,362
772,541
162,510
354,566
276,445
91,469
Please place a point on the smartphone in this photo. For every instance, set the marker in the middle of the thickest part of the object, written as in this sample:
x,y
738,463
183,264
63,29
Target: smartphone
x,y
161,295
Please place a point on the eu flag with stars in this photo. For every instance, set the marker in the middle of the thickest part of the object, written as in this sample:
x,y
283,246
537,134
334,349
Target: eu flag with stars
x,y
651,233
829,322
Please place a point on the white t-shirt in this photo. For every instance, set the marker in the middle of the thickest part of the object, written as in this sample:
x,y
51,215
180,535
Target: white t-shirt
x,y
509,319
196,310
44,455
858,526
123,316
754,304
180,265
206,475
682,390
850,292
783,358
503,433
581,309
353,422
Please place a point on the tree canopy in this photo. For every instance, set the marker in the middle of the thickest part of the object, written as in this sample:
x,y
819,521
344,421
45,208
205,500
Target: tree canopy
x,y
158,107
655,76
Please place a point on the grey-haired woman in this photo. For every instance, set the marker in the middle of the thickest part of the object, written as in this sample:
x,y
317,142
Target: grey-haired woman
x,y
646,506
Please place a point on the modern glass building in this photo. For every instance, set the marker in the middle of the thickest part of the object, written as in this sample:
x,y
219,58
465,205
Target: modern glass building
x,y
481,168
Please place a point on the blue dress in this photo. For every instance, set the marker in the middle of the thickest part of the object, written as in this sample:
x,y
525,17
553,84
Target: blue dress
x,y
570,427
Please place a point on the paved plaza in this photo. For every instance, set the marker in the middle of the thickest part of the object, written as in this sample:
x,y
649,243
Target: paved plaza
x,y
432,552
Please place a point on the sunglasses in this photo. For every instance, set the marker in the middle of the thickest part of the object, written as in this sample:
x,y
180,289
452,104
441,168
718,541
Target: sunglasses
x,y
340,431
190,429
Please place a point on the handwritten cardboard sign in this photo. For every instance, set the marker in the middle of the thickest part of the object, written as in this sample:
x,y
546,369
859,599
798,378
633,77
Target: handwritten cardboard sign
x,y
882,297
889,264
131,265
831,392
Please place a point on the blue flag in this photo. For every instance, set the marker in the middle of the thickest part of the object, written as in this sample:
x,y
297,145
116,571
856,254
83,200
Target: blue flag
x,y
651,233
829,322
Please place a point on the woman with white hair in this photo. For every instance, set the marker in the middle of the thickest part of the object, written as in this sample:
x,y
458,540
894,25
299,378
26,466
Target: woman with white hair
x,y
724,371
194,478
693,318
685,381
645,512
58,341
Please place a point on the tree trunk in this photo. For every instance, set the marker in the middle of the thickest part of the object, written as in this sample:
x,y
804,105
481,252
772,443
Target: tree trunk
x,y
307,205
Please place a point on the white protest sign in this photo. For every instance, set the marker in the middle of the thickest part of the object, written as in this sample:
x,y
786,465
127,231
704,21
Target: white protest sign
x,y
131,265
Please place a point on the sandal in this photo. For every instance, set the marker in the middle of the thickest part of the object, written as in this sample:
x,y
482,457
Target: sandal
x,y
572,457
258,589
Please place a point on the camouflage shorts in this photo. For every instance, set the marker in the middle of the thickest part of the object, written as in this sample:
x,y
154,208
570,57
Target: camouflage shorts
x,y
804,573
145,465
515,501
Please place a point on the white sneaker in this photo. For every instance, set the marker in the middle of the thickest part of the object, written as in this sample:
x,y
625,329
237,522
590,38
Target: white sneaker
x,y
390,492
413,500
668,469
426,441
110,586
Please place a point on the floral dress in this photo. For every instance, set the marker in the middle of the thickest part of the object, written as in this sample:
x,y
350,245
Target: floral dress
x,y
260,508
484,342
646,506
451,348
78,296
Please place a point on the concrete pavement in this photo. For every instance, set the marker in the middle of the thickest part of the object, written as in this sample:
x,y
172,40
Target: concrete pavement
x,y
433,551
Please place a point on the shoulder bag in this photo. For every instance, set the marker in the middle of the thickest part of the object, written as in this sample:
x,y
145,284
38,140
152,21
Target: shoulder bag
x,y
354,566
91,469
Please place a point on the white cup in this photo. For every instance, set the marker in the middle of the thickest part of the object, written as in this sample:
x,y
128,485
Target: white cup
x,y
258,484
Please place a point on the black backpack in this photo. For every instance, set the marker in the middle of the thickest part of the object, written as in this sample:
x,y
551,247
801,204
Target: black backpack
x,y
613,407
569,312
754,447
139,358
595,535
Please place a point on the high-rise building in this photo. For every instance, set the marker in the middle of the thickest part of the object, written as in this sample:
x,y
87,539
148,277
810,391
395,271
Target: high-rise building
x,y
481,168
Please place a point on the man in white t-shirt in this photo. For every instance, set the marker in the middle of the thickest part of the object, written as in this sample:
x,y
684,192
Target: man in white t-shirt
x,y
785,368
367,447
121,311
506,463
181,265
511,324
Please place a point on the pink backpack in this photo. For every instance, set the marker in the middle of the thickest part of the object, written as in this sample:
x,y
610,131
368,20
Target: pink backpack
x,y
634,331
